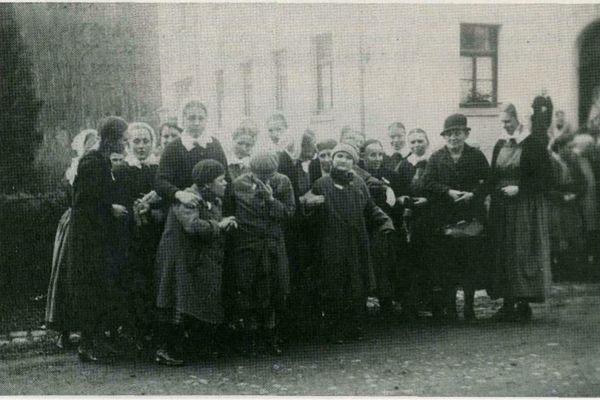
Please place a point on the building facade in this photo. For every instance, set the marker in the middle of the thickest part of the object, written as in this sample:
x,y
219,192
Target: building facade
x,y
330,65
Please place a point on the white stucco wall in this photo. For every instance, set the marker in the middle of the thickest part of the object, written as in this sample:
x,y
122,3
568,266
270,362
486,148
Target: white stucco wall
x,y
413,70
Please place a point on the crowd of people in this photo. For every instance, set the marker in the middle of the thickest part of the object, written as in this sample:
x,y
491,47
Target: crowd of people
x,y
183,248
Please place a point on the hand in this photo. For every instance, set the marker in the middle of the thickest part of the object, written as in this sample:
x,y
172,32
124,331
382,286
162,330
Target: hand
x,y
465,197
312,200
419,201
188,199
402,199
141,207
228,223
568,197
510,190
119,211
151,197
455,194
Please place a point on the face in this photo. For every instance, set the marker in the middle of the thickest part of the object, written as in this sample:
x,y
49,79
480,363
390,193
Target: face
x,y
374,156
168,135
325,160
194,121
218,186
398,138
343,161
116,159
455,139
276,128
243,146
509,123
418,143
140,143
354,139
309,148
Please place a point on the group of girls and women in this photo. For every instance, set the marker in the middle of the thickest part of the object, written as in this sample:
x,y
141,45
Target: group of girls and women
x,y
183,249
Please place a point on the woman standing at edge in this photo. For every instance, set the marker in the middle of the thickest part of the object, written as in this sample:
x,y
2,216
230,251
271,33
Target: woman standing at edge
x,y
519,218
94,268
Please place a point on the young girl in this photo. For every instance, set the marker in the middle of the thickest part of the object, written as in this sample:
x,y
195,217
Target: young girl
x,y
342,208
264,200
189,261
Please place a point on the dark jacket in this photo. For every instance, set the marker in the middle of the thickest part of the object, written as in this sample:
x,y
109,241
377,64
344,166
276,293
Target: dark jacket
x,y
469,174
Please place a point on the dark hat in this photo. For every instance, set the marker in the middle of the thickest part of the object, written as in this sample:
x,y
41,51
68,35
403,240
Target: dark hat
x,y
328,144
207,171
111,129
455,121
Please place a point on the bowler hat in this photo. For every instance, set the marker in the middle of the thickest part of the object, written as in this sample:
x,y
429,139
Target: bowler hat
x,y
455,121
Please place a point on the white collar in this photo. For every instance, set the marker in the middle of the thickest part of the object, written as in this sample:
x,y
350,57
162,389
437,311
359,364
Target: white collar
x,y
414,159
240,161
188,142
519,135
133,161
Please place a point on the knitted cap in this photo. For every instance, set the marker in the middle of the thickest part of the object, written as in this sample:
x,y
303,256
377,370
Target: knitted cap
x,y
207,171
264,162
346,148
328,144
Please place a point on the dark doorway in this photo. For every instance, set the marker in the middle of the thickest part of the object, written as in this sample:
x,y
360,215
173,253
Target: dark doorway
x,y
589,68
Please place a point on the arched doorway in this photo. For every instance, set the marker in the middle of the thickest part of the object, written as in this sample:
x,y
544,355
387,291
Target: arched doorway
x,y
589,68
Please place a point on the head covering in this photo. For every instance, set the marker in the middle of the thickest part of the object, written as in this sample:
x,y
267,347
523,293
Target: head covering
x,y
264,162
346,148
111,128
328,144
455,121
207,171
78,143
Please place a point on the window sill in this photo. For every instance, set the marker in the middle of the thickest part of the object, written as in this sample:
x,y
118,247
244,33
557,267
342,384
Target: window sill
x,y
481,111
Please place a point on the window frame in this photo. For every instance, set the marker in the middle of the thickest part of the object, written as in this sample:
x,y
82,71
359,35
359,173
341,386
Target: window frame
x,y
323,66
494,30
281,81
220,95
247,87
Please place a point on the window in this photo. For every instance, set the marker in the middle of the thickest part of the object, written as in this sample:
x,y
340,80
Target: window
x,y
479,63
247,87
279,59
220,92
324,61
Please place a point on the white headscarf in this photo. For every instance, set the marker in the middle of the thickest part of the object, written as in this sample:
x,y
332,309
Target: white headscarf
x,y
78,144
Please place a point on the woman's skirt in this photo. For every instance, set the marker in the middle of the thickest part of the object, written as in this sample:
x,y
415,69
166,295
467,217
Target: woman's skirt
x,y
57,315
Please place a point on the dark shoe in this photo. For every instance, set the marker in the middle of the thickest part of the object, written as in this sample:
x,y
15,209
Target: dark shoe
x,y
524,312
504,314
163,357
87,355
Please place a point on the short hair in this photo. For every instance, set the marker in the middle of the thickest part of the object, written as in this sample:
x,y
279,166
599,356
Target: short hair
x,y
136,126
193,104
170,125
418,130
278,117
264,162
247,127
368,143
510,109
396,125
111,129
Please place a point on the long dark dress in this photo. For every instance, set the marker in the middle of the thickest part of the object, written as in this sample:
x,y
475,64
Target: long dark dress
x,y
259,259
189,264
140,238
95,298
520,224
345,270
457,261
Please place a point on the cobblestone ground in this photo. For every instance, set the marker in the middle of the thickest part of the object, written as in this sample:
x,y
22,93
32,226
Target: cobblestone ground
x,y
556,354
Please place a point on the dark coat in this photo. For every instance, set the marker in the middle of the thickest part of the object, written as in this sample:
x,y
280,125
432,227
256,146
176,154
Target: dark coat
x,y
392,162
176,165
94,265
189,263
345,269
259,258
470,174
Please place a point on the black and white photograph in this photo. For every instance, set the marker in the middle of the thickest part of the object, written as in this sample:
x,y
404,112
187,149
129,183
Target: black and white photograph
x,y
300,199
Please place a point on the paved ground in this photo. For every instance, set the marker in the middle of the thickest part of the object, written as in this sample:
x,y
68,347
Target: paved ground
x,y
556,354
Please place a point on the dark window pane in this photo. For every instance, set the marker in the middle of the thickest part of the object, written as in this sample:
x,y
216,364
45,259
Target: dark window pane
x,y
475,37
